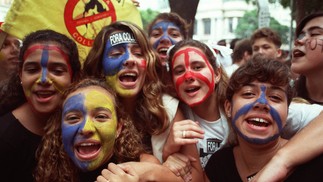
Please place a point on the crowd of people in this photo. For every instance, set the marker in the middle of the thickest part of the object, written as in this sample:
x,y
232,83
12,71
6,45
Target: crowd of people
x,y
160,106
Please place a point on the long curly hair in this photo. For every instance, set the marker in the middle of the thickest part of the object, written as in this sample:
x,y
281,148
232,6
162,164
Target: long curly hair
x,y
11,92
53,162
150,114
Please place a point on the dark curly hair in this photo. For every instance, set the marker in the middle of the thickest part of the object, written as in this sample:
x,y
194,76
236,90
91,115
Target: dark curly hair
x,y
53,162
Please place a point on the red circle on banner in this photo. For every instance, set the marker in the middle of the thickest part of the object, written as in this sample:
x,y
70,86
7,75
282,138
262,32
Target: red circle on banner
x,y
78,26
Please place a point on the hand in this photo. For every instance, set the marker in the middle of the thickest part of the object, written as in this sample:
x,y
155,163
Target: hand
x,y
120,172
183,132
180,165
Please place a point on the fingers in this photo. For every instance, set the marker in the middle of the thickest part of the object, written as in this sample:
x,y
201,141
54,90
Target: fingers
x,y
180,165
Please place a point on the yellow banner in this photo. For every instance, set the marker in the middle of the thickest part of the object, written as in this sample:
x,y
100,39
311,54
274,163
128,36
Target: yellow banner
x,y
79,19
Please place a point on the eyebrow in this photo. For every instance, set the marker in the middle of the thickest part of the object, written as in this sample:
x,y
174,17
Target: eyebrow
x,y
273,87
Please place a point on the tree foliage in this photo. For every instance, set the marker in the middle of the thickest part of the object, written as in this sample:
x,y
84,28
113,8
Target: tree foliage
x,y
249,23
147,16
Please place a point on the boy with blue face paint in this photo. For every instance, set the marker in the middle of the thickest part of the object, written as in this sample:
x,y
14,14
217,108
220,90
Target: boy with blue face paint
x,y
258,96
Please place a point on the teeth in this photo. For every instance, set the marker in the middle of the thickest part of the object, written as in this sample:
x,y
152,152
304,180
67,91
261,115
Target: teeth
x,y
129,74
86,144
260,120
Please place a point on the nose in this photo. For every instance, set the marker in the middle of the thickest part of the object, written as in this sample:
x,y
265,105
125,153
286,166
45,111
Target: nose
x,y
189,76
165,39
261,106
300,39
88,128
129,63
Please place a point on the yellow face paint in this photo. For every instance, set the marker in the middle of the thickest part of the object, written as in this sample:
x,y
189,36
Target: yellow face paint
x,y
114,83
89,127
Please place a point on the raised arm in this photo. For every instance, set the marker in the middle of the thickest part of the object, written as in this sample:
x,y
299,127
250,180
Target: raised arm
x,y
304,146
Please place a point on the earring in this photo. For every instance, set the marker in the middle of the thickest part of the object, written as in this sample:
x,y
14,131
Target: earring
x,y
229,115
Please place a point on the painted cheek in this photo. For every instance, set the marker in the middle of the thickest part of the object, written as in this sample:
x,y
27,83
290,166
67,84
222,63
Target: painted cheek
x,y
112,66
164,26
70,131
247,107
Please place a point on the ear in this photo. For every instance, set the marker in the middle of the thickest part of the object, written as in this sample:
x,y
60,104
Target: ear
x,y
228,108
217,75
279,53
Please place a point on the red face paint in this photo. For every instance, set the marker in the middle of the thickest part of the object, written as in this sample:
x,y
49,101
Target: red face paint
x,y
49,47
195,68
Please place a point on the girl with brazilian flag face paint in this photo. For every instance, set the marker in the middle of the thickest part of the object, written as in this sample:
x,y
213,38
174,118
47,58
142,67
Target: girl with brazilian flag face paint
x,y
89,127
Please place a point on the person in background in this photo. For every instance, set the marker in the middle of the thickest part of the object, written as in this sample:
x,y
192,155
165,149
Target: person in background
x,y
49,63
88,132
267,42
9,52
233,42
258,96
163,32
241,54
307,58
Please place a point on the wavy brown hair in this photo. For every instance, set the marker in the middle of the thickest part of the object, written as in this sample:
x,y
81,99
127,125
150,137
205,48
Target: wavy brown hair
x,y
53,162
150,114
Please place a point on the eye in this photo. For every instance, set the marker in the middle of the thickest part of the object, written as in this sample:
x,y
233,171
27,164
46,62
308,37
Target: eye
x,y
175,33
116,52
102,117
32,68
179,70
72,118
155,33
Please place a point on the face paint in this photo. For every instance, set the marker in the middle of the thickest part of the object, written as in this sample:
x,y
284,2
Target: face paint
x,y
112,64
272,111
89,124
164,25
205,75
44,59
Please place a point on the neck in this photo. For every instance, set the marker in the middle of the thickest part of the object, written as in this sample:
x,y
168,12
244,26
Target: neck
x,y
251,158
34,122
315,88
209,109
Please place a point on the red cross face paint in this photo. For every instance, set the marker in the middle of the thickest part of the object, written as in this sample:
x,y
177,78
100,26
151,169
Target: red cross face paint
x,y
45,74
193,75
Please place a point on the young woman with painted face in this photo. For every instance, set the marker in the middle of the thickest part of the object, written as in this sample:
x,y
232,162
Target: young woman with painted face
x,y
257,102
200,84
85,134
122,56
166,30
49,63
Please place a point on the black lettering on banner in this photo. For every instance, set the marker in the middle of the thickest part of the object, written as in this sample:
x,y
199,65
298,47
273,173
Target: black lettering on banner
x,y
122,37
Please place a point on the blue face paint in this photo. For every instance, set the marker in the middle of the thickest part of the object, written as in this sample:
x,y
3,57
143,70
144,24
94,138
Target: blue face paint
x,y
113,64
164,25
69,132
43,63
245,109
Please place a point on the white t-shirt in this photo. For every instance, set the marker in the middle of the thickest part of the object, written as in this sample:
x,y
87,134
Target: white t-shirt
x,y
158,141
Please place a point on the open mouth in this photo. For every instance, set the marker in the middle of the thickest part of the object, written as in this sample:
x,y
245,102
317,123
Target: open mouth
x,y
163,51
298,53
44,94
128,77
258,122
87,151
192,89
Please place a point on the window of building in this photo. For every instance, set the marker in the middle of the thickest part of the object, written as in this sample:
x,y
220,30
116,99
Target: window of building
x,y
230,23
195,27
207,26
